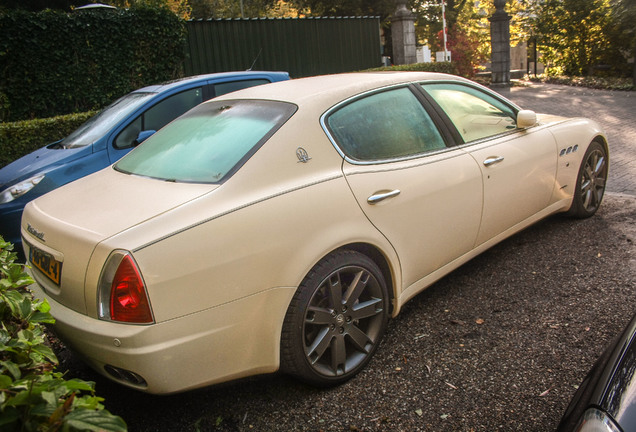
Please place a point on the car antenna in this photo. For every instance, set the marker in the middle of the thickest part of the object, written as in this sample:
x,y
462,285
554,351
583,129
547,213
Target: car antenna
x,y
257,56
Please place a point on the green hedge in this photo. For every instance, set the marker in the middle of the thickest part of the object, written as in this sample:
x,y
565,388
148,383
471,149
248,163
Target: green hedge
x,y
54,63
441,67
20,138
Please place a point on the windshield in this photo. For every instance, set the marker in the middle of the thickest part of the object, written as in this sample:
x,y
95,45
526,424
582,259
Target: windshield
x,y
208,143
98,125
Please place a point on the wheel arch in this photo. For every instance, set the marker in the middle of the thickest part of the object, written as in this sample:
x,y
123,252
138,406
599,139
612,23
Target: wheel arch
x,y
382,261
602,140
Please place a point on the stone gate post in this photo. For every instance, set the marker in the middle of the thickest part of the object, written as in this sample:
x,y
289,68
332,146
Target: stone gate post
x,y
500,44
403,34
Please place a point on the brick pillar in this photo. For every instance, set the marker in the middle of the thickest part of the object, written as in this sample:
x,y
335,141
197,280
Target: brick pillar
x,y
500,44
403,34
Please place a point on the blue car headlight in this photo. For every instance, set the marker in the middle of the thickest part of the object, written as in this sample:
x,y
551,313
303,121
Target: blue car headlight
x,y
595,420
19,189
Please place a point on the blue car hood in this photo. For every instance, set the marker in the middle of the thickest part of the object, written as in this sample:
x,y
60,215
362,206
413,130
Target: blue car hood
x,y
40,161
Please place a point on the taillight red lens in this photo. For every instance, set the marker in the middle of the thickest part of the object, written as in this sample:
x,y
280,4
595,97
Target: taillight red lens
x,y
128,299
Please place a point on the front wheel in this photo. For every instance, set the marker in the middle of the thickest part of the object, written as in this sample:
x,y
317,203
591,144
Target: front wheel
x,y
591,181
336,320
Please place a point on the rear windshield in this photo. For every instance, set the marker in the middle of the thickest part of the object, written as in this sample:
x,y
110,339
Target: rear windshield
x,y
208,143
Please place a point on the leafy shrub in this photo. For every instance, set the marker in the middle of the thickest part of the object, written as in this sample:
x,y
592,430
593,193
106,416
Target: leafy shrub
x,y
54,63
603,83
20,138
441,67
33,397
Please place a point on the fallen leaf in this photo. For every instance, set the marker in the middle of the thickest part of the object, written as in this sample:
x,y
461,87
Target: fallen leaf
x,y
418,412
545,393
479,321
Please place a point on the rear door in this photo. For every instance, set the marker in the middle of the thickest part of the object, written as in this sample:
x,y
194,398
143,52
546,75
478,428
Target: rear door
x,y
422,194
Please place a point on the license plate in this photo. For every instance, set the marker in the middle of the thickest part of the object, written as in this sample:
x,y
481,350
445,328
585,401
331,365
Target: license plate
x,y
46,264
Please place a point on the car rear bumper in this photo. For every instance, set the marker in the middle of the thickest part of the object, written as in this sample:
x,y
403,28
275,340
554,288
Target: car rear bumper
x,y
231,341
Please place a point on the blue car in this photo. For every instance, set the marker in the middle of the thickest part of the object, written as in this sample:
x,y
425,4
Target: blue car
x,y
108,136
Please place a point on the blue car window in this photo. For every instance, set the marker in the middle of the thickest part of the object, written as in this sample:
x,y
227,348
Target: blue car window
x,y
159,115
227,87
97,126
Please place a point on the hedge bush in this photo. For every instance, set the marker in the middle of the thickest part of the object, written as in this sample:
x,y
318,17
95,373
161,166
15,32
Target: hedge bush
x,y
440,67
54,63
20,138
33,396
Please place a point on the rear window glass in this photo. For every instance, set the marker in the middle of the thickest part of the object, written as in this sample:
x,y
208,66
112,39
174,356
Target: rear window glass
x,y
208,143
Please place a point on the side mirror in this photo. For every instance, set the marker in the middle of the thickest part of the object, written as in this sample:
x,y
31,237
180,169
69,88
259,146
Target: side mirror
x,y
526,119
143,136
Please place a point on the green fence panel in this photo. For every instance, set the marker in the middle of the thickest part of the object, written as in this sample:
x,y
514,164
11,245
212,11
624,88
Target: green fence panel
x,y
300,46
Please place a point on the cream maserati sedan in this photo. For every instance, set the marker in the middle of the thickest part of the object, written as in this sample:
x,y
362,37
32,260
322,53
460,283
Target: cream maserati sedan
x,y
280,227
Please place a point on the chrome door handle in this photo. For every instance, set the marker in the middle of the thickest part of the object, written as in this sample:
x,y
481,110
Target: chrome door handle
x,y
379,196
493,160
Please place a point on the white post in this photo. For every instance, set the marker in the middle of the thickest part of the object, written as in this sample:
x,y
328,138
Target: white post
x,y
444,30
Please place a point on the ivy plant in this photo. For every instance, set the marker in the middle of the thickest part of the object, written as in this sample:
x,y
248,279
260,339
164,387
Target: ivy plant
x,y
34,397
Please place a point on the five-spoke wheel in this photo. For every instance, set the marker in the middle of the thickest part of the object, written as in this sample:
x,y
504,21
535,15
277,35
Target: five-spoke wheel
x,y
335,320
591,181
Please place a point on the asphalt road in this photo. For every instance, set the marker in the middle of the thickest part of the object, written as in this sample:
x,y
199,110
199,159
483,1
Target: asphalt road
x,y
498,345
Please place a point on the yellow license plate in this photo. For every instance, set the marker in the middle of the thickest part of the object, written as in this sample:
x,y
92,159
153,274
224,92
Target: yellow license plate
x,y
46,264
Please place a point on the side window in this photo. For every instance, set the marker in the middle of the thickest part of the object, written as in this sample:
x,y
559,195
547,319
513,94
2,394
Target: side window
x,y
159,115
387,125
474,113
223,88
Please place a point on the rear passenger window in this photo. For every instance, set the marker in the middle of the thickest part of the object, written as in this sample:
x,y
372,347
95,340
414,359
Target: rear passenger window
x,y
388,125
228,87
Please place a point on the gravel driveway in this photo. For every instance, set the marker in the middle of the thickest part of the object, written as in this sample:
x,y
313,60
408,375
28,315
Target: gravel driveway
x,y
499,344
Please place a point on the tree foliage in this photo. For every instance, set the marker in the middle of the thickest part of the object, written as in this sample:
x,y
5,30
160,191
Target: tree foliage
x,y
623,19
577,37
54,63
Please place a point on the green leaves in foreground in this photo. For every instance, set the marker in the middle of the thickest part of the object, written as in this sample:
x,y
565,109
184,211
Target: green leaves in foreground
x,y
33,397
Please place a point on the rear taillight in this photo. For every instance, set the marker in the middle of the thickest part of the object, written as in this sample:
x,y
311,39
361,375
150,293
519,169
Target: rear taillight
x,y
122,293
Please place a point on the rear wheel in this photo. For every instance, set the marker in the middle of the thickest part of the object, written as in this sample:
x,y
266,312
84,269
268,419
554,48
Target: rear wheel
x,y
591,181
336,320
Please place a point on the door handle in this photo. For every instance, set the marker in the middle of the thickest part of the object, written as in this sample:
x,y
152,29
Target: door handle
x,y
493,160
379,196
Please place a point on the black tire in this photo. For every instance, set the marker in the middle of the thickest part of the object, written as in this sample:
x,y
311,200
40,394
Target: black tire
x,y
336,320
590,182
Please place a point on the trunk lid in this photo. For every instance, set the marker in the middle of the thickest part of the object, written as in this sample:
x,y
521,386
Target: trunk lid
x,y
61,229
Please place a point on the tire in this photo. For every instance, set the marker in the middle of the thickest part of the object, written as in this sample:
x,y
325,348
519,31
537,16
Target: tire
x,y
590,182
336,320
